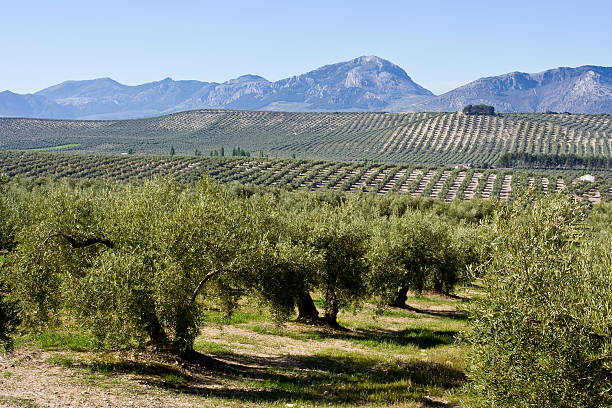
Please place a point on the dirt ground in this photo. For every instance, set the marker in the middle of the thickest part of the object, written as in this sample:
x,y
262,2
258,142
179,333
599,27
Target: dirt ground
x,y
256,364
29,379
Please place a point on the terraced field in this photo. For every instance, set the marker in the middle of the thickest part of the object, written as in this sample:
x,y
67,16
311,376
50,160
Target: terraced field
x,y
416,138
444,183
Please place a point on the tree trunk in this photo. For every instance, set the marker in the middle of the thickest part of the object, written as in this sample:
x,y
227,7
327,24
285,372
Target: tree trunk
x,y
156,332
438,286
307,311
400,297
331,317
331,309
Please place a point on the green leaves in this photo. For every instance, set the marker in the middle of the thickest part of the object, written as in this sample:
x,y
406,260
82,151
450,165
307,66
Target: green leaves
x,y
419,251
541,334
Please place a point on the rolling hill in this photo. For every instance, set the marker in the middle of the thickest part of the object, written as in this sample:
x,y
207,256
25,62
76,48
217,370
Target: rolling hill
x,y
425,138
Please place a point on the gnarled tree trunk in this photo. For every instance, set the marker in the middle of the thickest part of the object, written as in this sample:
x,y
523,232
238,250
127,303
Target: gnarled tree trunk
x,y
156,332
400,297
331,309
307,311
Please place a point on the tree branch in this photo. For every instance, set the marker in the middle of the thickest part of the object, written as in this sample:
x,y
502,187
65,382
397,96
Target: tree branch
x,y
205,279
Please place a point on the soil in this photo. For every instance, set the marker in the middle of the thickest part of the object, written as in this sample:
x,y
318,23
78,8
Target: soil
x,y
29,379
147,378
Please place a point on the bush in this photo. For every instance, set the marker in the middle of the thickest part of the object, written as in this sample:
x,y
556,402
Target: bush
x,y
542,333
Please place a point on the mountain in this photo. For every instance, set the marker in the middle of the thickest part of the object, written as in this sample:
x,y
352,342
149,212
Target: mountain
x,y
366,83
31,106
363,84
586,89
107,99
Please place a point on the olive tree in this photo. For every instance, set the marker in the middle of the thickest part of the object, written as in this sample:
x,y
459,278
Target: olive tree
x,y
415,251
131,264
42,269
542,333
339,235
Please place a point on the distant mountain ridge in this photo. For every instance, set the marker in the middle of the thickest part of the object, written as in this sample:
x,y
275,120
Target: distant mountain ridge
x,y
367,83
586,89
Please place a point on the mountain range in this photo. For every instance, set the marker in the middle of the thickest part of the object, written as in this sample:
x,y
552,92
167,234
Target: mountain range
x,y
367,83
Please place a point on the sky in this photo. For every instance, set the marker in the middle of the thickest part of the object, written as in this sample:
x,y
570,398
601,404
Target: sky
x,y
440,44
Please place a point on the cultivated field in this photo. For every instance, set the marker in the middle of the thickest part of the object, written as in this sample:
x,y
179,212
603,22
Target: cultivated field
x,y
445,183
434,301
425,138
161,293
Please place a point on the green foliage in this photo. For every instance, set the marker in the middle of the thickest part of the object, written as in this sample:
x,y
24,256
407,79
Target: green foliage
x,y
340,236
152,250
238,151
9,214
9,320
479,110
9,311
542,333
554,161
419,251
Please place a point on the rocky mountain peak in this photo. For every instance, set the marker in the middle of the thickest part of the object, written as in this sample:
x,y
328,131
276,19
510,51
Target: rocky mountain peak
x,y
586,89
366,83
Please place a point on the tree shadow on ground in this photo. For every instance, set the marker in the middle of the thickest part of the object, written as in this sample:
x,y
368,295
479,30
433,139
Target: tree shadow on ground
x,y
453,314
124,366
421,338
316,378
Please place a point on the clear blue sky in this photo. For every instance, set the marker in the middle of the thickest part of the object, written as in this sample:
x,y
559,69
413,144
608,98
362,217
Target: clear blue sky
x,y
440,44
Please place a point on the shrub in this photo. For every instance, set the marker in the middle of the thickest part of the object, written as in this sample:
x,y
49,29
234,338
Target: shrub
x,y
542,333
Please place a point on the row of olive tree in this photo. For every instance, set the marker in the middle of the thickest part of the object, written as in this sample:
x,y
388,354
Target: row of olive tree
x,y
131,264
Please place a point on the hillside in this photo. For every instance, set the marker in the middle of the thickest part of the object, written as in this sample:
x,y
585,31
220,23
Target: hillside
x,y
426,138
